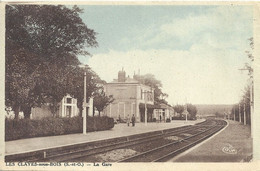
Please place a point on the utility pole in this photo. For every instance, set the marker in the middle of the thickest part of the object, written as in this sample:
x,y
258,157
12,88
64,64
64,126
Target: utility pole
x,y
85,105
239,112
244,112
186,109
186,112
145,106
234,113
251,103
228,114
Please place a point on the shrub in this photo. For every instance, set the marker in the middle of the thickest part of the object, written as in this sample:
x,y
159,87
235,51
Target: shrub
x,y
26,128
168,120
154,119
72,125
99,123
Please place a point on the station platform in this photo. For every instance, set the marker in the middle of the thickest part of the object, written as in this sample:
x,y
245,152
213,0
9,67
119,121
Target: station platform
x,y
119,130
233,144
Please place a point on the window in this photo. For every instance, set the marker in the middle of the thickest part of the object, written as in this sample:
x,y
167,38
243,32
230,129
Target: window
x,y
68,111
148,96
69,100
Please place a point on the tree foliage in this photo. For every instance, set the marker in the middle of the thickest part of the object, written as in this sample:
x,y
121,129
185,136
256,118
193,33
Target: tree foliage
x,y
101,101
75,85
244,103
243,106
178,108
49,31
150,80
42,42
192,109
219,115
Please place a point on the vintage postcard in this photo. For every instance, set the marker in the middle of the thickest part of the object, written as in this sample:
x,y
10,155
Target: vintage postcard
x,y
130,85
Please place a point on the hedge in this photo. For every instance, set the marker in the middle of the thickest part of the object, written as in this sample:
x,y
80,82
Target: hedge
x,y
27,128
182,118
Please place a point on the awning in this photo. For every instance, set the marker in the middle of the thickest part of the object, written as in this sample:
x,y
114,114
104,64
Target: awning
x,y
149,106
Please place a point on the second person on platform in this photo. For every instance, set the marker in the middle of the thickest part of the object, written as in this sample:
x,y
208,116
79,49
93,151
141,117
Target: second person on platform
x,y
133,120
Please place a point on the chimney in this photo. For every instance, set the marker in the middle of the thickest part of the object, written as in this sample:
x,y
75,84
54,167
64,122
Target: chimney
x,y
121,76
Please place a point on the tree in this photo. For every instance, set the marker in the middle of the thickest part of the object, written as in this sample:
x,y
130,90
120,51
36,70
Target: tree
x,y
48,30
245,103
101,101
179,109
192,109
218,115
41,42
19,85
74,85
246,97
150,80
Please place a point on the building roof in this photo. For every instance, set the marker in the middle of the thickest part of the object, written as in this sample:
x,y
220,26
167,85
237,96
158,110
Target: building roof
x,y
128,80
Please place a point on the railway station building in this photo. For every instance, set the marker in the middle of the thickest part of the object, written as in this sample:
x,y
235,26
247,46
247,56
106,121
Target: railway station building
x,y
163,112
130,98
67,108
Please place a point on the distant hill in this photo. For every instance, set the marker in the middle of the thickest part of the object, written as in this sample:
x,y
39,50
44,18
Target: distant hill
x,y
211,109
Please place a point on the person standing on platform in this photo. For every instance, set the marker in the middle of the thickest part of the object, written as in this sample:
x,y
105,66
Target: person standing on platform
x,y
128,120
133,120
119,119
160,118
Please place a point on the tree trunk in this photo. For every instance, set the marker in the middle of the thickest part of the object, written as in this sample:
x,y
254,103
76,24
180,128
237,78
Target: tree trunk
x,y
16,112
99,113
54,108
27,112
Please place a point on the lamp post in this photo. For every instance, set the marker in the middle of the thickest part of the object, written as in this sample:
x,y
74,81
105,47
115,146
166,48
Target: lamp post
x,y
85,104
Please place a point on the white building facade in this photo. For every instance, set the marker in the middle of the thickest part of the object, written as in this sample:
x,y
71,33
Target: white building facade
x,y
130,97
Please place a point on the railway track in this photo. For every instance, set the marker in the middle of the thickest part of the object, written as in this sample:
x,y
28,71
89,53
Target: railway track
x,y
167,151
154,147
150,147
80,155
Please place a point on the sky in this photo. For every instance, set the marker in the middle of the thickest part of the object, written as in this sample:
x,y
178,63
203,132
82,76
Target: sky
x,y
195,51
